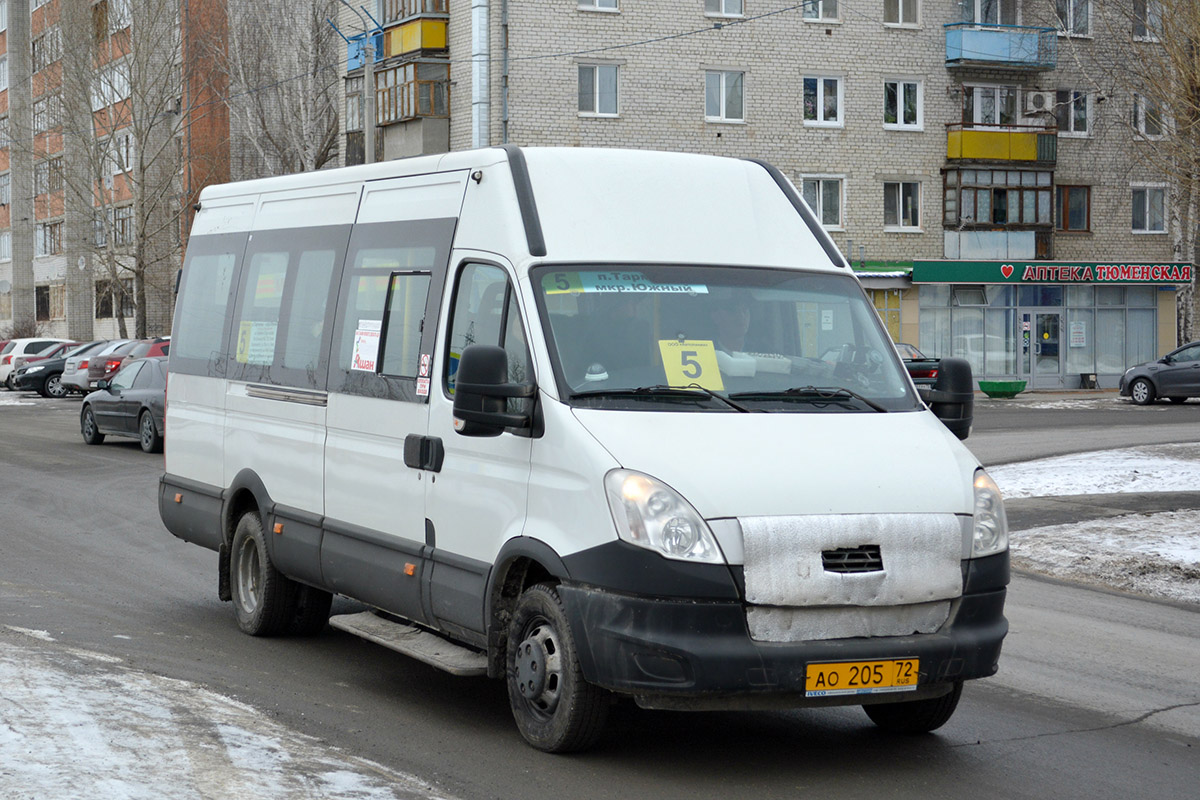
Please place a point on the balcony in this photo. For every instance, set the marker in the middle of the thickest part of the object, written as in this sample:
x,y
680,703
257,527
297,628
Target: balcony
x,y
396,10
1026,143
417,35
1001,46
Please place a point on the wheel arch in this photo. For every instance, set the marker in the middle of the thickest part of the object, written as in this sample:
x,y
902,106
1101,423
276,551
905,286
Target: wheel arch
x,y
246,492
521,563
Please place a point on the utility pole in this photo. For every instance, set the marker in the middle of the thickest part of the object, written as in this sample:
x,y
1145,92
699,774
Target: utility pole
x,y
369,30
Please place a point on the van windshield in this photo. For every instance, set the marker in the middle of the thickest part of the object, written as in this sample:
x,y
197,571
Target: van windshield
x,y
695,338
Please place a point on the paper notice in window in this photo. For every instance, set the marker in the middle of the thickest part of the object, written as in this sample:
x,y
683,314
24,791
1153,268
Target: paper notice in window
x,y
366,345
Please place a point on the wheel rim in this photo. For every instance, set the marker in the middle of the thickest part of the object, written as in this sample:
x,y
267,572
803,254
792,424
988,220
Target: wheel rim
x,y
54,386
1141,391
89,424
249,587
539,668
147,431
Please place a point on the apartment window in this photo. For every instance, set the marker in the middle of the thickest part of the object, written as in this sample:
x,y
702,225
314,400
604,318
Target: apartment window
x,y
47,113
5,188
112,86
990,197
6,246
1074,16
34,5
1149,209
47,238
122,225
990,105
821,10
58,301
1073,111
3,15
120,15
46,49
1147,117
902,205
823,101
4,132
3,73
990,12
724,96
41,303
412,90
112,294
120,156
598,90
1147,20
598,5
900,12
723,8
1073,208
354,103
902,105
824,196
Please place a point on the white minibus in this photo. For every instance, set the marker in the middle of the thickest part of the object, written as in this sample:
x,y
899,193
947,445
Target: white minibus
x,y
598,423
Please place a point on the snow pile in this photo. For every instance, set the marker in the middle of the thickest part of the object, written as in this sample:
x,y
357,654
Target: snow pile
x,y
133,735
1157,468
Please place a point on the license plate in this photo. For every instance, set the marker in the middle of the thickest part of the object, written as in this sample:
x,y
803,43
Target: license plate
x,y
861,677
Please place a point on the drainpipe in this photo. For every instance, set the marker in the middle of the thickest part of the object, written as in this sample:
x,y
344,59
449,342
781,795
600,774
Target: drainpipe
x,y
480,78
504,66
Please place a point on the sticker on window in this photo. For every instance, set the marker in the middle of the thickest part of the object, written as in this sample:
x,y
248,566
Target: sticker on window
x,y
255,342
366,345
692,361
613,282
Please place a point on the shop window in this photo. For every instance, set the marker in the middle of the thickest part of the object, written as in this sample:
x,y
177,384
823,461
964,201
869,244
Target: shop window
x,y
887,305
1041,295
1110,295
1141,297
969,296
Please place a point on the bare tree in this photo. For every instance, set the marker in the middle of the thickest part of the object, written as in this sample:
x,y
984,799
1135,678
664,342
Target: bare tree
x,y
1148,67
281,63
121,93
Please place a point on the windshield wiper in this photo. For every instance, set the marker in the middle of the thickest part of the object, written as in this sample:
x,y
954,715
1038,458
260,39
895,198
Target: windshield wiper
x,y
812,394
691,390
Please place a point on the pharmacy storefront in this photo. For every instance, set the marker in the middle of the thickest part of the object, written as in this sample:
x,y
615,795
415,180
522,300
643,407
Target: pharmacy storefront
x,y
1054,324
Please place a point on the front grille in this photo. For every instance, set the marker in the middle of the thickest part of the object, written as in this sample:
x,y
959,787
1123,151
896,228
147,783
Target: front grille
x,y
846,560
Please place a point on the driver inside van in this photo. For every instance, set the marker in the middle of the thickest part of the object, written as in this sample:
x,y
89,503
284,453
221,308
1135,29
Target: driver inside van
x,y
731,317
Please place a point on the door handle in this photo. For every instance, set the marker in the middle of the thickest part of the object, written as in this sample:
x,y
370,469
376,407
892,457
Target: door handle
x,y
424,452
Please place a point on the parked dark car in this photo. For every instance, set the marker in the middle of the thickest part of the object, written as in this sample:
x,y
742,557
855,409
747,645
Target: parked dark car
x,y
44,376
105,368
924,370
132,404
1175,376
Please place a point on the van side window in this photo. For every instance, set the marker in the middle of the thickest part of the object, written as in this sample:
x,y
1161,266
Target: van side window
x,y
407,295
486,312
199,329
279,330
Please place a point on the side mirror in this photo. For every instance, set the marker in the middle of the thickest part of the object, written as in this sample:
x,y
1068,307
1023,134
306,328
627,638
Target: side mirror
x,y
103,386
481,391
1166,360
952,398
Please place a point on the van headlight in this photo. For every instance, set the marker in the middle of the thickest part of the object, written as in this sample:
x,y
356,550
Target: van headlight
x,y
989,534
651,514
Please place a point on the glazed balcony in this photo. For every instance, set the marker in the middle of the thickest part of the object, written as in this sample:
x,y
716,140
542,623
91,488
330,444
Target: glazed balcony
x,y
1014,47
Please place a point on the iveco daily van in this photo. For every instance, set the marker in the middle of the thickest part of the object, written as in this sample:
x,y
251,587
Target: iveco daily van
x,y
600,423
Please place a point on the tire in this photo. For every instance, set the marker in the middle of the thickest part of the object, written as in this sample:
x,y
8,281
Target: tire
x,y
53,387
918,716
8,382
312,611
87,426
148,435
264,600
1141,392
556,710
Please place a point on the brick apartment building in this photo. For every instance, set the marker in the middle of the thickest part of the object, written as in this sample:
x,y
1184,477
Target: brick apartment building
x,y
946,145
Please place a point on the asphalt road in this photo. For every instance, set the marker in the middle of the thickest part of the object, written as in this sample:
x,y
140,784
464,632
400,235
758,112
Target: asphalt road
x,y
1098,694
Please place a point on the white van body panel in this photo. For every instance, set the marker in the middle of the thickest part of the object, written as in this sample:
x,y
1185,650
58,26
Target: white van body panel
x,y
197,415
225,214
728,465
335,205
705,211
418,197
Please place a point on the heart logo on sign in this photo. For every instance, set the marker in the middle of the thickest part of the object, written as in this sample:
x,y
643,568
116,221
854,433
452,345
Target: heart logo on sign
x,y
1007,270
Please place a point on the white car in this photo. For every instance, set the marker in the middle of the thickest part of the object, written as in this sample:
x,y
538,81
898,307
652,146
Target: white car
x,y
19,347
75,371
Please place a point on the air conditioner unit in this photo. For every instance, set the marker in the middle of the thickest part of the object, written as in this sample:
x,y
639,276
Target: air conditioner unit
x,y
1037,102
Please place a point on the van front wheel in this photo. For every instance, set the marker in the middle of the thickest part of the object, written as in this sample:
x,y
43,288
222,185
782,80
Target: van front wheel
x,y
918,716
555,708
263,598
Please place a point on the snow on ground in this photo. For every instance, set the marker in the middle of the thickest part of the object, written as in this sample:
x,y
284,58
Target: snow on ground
x,y
78,724
16,399
1154,554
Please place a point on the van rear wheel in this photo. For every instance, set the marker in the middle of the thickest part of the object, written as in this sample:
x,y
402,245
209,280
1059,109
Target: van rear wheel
x,y
264,599
556,710
918,716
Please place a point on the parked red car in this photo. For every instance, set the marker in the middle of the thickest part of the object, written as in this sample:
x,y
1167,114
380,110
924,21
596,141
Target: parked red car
x,y
106,367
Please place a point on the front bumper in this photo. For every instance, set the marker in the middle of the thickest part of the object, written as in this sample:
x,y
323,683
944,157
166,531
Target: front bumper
x,y
701,650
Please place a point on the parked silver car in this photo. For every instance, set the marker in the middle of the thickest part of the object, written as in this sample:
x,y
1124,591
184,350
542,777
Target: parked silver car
x,y
75,371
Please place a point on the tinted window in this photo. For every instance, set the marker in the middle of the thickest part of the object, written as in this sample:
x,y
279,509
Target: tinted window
x,y
200,314
128,374
486,312
146,376
407,294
